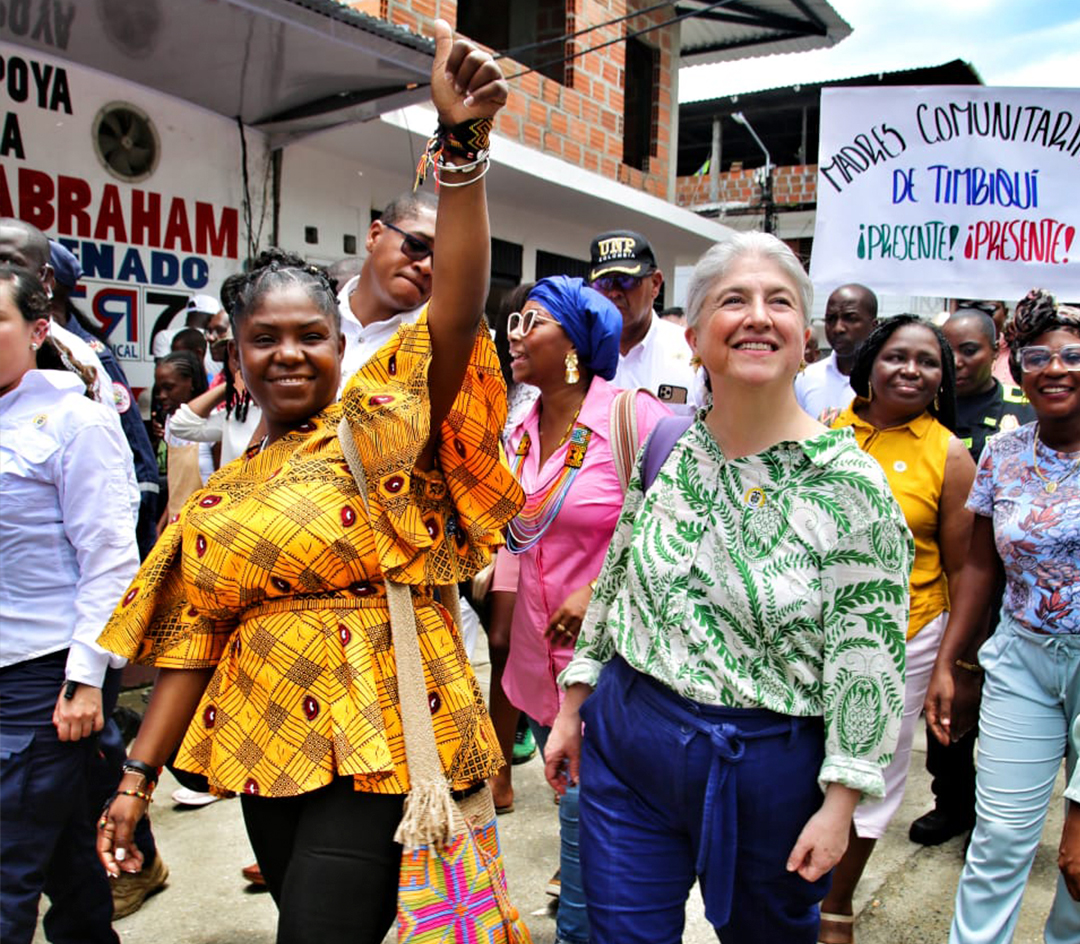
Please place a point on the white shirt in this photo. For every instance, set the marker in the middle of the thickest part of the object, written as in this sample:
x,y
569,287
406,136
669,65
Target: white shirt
x,y
163,342
84,354
233,435
67,523
820,387
661,364
362,342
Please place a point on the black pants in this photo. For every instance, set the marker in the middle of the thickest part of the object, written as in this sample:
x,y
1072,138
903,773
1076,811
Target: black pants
x,y
953,770
330,862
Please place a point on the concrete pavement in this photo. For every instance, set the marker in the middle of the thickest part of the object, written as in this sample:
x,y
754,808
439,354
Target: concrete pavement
x,y
906,896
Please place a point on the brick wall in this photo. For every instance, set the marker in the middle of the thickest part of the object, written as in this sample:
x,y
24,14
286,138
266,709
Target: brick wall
x,y
581,122
791,185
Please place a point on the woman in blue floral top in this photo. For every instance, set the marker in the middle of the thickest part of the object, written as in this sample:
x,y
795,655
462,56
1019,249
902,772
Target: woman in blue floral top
x,y
1026,500
745,641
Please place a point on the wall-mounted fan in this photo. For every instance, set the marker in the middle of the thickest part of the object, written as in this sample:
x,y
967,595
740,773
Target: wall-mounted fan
x,y
126,141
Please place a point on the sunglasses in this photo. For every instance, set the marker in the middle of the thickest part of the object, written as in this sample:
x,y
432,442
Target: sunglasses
x,y
412,247
624,283
522,322
1034,359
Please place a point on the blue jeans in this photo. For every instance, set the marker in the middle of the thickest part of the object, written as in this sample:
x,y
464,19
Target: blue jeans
x,y
1030,696
672,792
46,816
572,922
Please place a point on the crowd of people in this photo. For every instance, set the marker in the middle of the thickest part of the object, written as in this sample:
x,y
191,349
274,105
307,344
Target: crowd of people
x,y
721,584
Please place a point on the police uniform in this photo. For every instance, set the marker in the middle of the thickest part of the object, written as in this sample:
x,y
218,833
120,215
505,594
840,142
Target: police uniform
x,y
983,415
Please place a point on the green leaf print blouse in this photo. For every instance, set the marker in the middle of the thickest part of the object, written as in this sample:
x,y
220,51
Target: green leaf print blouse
x,y
777,580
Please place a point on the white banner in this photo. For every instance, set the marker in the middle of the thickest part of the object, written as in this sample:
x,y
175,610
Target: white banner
x,y
960,191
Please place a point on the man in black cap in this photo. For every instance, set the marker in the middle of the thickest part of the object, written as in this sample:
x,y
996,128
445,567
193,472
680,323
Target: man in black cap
x,y
653,353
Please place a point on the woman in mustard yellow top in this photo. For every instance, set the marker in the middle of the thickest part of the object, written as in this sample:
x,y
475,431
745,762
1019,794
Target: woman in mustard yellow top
x,y
903,416
264,605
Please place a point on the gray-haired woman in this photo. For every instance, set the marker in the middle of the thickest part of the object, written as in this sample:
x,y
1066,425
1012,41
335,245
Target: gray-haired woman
x,y
745,641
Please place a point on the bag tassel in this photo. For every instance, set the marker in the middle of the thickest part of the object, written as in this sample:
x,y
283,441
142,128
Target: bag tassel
x,y
428,818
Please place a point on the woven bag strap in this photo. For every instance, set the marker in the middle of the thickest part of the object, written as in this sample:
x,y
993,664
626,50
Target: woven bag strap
x,y
622,426
429,814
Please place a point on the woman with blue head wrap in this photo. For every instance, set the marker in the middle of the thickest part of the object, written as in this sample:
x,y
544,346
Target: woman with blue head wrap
x,y
564,341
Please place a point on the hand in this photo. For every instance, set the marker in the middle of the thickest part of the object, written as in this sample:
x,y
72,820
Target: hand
x,y
466,83
562,753
80,716
938,704
967,696
565,623
1069,853
116,830
824,838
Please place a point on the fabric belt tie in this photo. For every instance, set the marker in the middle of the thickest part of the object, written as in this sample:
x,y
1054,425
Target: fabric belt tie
x,y
716,854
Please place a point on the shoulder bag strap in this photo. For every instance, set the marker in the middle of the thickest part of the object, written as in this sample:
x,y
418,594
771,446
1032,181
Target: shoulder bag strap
x,y
661,441
623,429
429,816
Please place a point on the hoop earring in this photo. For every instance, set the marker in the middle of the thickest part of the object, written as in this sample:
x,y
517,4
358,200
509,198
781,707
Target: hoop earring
x,y
572,375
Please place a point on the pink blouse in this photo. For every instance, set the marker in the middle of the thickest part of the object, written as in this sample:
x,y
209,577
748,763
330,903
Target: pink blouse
x,y
571,551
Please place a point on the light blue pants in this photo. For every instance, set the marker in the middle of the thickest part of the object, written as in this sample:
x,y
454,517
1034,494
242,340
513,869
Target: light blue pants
x,y
1030,696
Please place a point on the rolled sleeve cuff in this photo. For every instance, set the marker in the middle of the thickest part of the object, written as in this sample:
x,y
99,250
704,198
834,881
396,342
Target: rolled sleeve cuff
x,y
583,670
87,665
863,775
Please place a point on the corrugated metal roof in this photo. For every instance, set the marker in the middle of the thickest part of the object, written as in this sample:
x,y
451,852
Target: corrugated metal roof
x,y
340,11
737,29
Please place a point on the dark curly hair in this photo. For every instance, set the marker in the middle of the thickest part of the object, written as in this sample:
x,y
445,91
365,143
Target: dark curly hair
x,y
1035,315
945,409
273,269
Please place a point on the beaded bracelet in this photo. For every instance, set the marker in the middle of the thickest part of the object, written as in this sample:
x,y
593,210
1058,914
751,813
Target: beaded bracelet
x,y
138,794
468,140
463,183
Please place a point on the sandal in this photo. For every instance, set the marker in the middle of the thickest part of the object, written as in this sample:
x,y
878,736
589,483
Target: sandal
x,y
845,925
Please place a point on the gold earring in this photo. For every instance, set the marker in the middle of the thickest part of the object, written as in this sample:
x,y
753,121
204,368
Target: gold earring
x,y
869,392
802,365
695,362
937,406
572,375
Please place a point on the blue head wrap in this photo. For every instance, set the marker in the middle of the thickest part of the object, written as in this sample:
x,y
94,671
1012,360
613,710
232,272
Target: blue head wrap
x,y
593,323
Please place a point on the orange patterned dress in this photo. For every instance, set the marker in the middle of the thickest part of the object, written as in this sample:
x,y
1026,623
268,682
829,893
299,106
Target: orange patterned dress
x,y
273,575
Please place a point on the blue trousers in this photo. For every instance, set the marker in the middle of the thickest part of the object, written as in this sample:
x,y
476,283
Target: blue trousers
x,y
572,920
46,817
1030,696
673,791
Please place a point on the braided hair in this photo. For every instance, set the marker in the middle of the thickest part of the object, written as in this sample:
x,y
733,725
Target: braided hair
x,y
945,409
1035,315
273,269
29,297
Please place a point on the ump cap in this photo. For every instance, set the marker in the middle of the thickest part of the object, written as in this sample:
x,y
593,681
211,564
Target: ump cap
x,y
621,252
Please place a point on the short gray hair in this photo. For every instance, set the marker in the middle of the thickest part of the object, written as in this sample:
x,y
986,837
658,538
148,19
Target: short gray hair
x,y
716,262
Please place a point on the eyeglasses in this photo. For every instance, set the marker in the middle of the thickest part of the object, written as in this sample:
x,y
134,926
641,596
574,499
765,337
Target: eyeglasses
x,y
1034,359
624,283
522,322
412,247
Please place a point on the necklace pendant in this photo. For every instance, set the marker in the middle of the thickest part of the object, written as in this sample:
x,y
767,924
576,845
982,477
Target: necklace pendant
x,y
1050,488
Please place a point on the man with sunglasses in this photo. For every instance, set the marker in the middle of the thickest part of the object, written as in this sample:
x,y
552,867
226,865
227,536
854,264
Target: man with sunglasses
x,y
394,281
653,353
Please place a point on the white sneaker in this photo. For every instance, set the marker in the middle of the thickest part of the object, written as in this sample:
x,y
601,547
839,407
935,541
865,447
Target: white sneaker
x,y
186,797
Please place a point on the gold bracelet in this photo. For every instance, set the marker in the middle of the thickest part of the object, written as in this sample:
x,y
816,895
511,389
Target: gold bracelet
x,y
972,667
592,584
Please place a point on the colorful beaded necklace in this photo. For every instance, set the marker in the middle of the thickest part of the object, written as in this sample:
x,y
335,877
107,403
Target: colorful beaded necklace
x,y
542,507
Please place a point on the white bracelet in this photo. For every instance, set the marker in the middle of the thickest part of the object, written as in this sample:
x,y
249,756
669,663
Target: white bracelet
x,y
465,183
481,158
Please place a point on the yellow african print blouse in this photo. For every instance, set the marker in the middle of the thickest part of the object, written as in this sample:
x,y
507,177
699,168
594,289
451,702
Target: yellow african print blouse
x,y
274,575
